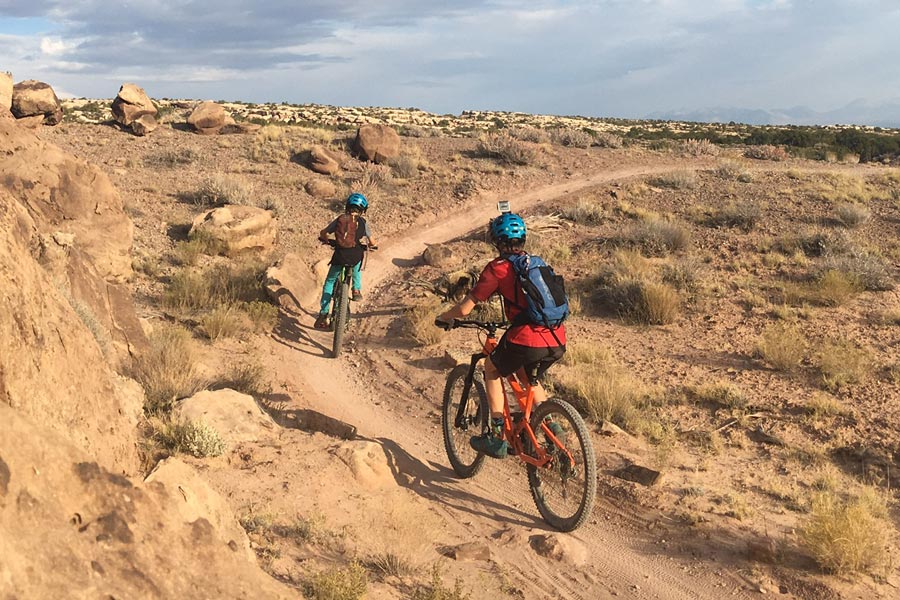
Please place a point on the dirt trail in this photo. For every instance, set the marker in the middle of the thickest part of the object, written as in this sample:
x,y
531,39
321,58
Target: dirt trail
x,y
495,506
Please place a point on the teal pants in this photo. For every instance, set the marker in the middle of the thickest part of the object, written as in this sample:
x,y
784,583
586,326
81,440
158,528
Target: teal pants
x,y
334,272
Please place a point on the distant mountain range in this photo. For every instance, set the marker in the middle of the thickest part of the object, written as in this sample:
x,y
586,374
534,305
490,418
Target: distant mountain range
x,y
858,112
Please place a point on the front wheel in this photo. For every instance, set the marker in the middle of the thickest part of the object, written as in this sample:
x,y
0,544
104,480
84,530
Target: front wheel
x,y
564,489
460,421
340,317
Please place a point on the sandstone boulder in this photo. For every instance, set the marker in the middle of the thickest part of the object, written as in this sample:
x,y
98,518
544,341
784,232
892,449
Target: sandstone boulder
x,y
367,462
321,161
320,188
238,228
6,91
377,143
171,537
131,104
235,416
208,118
291,284
144,125
31,98
437,255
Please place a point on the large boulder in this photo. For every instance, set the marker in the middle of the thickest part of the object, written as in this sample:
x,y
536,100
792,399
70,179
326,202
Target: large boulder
x,y
79,234
235,416
131,105
377,143
6,91
320,188
32,98
238,228
70,528
291,284
208,118
321,161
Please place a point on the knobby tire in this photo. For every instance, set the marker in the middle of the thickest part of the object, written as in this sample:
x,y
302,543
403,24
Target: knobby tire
x,y
563,493
341,316
466,461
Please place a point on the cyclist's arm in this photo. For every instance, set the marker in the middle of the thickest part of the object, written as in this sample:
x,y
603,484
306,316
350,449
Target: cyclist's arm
x,y
460,310
330,228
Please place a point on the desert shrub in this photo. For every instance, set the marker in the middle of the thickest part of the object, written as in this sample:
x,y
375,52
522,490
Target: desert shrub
x,y
271,203
701,147
821,405
659,304
529,134
224,321
263,315
604,389
834,288
629,287
869,270
848,537
605,139
730,170
437,590
270,145
419,323
189,437
172,158
819,242
372,177
247,377
658,236
719,393
506,148
222,284
405,166
573,138
743,215
417,131
852,215
841,188
223,189
584,210
683,275
841,363
167,369
675,180
782,346
200,242
766,152
348,583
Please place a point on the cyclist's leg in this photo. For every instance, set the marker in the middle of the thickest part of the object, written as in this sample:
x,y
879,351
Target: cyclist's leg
x,y
334,271
357,276
493,387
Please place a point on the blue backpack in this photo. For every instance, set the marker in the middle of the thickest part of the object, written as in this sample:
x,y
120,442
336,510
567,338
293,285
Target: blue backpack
x,y
545,292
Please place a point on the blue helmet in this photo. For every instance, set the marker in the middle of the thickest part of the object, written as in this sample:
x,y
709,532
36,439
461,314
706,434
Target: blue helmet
x,y
357,200
507,227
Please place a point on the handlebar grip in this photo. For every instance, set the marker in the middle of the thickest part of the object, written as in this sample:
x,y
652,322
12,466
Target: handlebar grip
x,y
444,324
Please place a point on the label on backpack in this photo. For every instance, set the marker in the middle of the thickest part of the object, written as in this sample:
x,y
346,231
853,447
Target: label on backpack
x,y
345,233
546,302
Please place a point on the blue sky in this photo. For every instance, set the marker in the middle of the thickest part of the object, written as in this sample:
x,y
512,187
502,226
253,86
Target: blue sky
x,y
625,58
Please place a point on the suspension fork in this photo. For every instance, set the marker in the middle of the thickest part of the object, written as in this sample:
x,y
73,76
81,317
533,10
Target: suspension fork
x,y
467,388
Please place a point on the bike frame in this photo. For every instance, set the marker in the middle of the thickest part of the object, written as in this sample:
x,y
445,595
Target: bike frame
x,y
525,397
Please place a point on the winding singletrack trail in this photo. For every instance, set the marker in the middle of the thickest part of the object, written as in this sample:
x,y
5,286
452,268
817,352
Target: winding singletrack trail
x,y
376,396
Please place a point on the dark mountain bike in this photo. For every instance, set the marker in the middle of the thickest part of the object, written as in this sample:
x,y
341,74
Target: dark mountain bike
x,y
562,471
339,315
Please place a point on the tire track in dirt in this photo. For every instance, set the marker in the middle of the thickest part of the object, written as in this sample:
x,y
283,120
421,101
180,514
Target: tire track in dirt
x,y
391,411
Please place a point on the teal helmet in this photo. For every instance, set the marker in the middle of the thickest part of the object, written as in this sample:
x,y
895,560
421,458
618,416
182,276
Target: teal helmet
x,y
358,201
506,228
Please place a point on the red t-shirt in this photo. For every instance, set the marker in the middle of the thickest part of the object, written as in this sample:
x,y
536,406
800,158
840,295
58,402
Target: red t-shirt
x,y
498,277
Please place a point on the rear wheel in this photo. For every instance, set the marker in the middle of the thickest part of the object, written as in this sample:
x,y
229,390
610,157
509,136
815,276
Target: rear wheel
x,y
472,420
565,488
340,317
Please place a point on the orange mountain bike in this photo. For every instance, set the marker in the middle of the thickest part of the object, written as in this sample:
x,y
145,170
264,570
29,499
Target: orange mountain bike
x,y
562,471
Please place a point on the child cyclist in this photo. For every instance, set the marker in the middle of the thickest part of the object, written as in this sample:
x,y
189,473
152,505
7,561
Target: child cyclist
x,y
525,349
349,229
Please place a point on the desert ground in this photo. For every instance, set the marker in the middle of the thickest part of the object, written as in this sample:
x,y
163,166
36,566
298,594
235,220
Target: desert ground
x,y
735,324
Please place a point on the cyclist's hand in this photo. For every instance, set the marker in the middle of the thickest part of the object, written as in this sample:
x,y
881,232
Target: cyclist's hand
x,y
443,325
373,248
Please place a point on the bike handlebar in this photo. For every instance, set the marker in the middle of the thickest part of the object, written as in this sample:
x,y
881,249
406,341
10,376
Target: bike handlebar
x,y
333,244
489,326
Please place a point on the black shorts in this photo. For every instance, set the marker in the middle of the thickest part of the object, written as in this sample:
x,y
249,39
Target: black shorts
x,y
509,358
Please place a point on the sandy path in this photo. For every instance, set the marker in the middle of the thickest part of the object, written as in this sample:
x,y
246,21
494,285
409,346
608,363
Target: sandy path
x,y
496,505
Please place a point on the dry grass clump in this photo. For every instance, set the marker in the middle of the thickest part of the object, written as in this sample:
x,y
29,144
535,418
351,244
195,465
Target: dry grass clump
x,y
684,275
719,393
782,345
506,148
167,369
418,322
270,145
529,134
217,190
406,166
742,215
222,284
188,437
263,315
841,363
200,242
604,139
841,188
835,288
657,236
605,389
732,170
675,180
629,286
436,590
767,152
348,583
817,242
852,215
584,210
172,158
225,321
573,138
821,404
869,270
697,148
246,377
372,177
848,537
